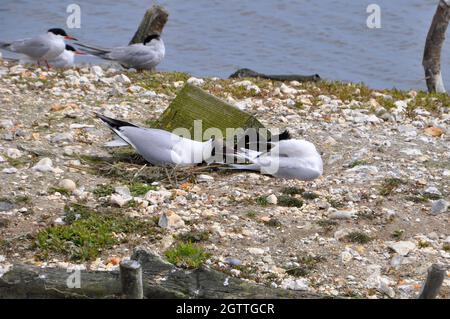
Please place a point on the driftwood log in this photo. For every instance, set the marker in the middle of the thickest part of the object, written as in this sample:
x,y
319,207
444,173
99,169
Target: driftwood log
x,y
160,280
153,22
247,73
433,47
433,283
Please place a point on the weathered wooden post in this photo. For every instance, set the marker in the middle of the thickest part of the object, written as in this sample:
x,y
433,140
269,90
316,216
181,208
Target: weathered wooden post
x,y
432,285
433,47
153,22
131,279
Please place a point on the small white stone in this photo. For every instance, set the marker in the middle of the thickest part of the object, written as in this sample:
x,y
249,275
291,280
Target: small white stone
x,y
287,90
205,178
195,81
135,89
341,214
122,78
13,153
272,199
256,251
67,184
9,170
44,165
440,207
402,248
123,191
170,220
412,152
97,70
59,221
346,256
299,284
7,124
119,200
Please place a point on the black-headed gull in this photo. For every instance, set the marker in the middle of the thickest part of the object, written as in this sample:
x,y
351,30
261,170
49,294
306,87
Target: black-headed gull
x,y
42,48
140,56
158,147
290,159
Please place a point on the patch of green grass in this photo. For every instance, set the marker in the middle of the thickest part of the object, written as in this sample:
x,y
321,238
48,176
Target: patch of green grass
x,y
289,201
151,123
16,162
310,195
358,237
273,222
187,255
251,214
91,159
357,163
423,244
336,203
446,248
432,196
60,190
292,191
193,236
307,263
88,233
398,234
158,82
22,199
140,189
389,185
262,201
417,199
298,105
103,190
327,224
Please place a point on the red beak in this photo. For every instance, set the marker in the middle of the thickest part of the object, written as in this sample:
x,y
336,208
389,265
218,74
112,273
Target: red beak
x,y
70,38
80,53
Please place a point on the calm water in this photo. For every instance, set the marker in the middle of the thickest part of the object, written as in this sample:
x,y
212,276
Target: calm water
x,y
214,38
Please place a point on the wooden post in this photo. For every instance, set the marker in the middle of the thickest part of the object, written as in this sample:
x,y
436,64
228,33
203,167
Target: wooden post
x,y
432,285
131,279
153,22
433,47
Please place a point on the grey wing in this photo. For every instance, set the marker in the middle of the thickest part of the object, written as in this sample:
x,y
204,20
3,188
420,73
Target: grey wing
x,y
35,47
134,56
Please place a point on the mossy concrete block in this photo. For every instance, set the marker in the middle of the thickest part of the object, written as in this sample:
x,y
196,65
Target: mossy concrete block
x,y
193,104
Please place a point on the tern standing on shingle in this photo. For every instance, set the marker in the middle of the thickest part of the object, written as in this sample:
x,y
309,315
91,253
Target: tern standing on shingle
x,y
140,56
64,60
41,48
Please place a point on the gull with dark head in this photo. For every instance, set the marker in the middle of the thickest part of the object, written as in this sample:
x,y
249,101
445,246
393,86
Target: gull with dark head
x,y
42,48
140,56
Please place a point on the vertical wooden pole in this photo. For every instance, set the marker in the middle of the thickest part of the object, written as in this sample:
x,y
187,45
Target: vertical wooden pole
x,y
153,23
432,285
131,279
433,47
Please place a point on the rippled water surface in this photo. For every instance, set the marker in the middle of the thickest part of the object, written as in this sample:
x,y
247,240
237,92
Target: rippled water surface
x,y
214,38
